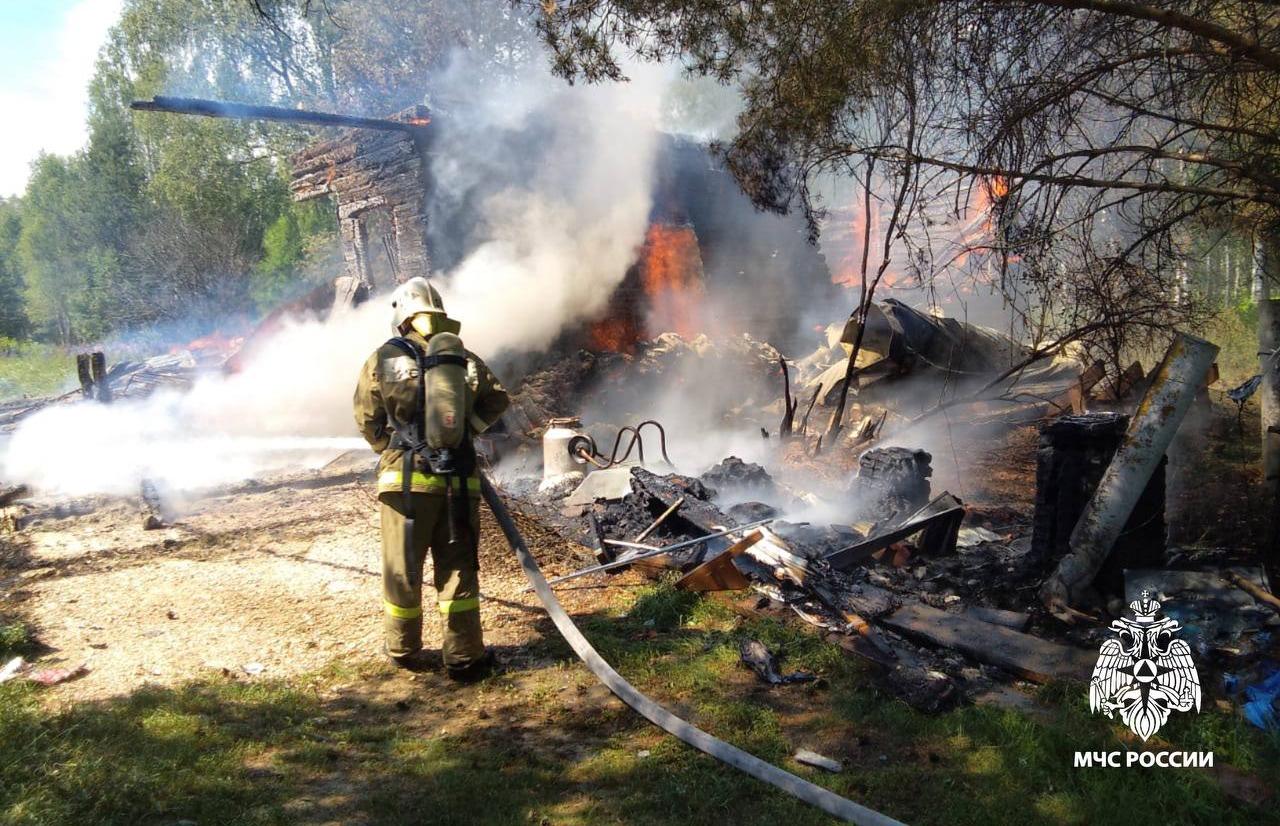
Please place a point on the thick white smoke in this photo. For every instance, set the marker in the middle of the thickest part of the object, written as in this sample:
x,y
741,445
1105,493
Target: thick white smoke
x,y
289,407
552,247
559,233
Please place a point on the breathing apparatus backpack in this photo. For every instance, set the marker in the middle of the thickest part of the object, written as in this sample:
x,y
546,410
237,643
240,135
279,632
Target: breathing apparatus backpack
x,y
438,438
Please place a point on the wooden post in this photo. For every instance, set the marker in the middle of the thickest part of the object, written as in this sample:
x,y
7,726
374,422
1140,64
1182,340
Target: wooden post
x,y
98,366
84,370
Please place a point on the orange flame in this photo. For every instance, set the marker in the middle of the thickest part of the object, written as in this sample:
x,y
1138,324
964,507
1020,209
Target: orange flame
x,y
671,275
615,334
848,272
670,285
979,228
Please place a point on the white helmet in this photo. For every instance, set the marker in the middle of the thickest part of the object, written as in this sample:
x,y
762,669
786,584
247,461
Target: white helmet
x,y
412,297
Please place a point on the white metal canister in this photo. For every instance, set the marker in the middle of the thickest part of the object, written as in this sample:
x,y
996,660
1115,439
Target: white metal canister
x,y
557,461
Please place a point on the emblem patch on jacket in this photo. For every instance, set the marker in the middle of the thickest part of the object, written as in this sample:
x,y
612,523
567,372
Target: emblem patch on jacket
x,y
400,368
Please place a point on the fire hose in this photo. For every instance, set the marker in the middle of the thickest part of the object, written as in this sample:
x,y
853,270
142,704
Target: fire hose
x,y
799,788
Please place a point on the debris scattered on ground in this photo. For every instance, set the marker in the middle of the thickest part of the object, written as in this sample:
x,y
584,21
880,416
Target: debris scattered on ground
x,y
12,669
853,538
720,573
57,676
969,537
12,493
812,758
742,479
756,656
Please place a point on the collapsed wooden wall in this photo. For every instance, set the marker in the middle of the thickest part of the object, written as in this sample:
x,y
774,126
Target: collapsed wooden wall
x,y
369,171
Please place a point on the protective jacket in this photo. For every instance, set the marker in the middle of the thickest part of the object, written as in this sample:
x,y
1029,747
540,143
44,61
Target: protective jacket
x,y
388,391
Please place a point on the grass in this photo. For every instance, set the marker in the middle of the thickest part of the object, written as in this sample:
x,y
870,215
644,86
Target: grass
x,y
1235,331
33,369
367,745
15,639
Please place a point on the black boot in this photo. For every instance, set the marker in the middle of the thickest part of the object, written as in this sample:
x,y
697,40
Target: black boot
x,y
473,671
417,661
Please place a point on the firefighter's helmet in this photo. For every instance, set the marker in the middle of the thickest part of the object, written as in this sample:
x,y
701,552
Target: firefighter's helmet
x,y
413,297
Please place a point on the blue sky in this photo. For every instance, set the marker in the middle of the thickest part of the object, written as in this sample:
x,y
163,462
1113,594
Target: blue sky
x,y
47,53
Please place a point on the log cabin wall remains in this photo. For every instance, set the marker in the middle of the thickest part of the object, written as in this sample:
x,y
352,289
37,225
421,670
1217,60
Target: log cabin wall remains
x,y
374,177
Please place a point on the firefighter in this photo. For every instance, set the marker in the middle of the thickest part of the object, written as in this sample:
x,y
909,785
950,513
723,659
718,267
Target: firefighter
x,y
420,399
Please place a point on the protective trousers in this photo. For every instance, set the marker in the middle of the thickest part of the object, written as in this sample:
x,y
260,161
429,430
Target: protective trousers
x,y
457,579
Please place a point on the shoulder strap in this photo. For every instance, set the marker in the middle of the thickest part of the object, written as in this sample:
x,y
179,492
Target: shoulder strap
x,y
444,358
406,345
424,361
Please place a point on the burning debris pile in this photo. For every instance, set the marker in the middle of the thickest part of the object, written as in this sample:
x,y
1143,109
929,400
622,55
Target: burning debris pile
x,y
941,596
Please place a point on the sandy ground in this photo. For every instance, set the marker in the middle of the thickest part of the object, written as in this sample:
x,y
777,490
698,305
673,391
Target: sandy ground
x,y
269,578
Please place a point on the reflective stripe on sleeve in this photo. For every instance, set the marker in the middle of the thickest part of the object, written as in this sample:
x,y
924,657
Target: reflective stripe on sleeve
x,y
457,606
401,613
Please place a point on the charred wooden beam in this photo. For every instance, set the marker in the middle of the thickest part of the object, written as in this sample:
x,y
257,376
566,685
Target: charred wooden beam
x,y
248,111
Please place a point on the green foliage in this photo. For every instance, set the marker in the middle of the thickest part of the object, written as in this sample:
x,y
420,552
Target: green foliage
x,y
282,250
13,316
285,248
29,368
164,217
1235,331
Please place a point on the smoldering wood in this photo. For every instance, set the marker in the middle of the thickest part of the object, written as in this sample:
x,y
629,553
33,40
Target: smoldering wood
x,y
837,590
789,405
696,511
651,554
892,481
804,422
657,523
719,572
1016,620
101,382
943,515
153,512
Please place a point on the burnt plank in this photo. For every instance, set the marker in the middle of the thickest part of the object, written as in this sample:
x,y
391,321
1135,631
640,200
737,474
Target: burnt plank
x,y
1016,620
1029,657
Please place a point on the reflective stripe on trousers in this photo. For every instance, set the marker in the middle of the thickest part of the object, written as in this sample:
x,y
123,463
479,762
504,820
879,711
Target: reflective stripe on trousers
x,y
392,481
400,612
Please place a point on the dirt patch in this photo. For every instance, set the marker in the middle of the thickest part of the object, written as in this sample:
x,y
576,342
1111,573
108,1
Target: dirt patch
x,y
267,579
